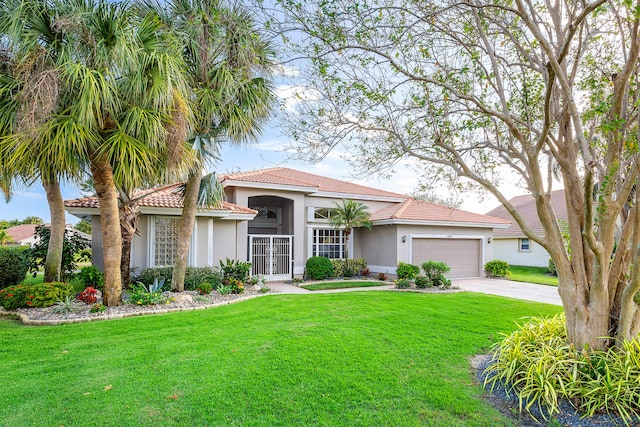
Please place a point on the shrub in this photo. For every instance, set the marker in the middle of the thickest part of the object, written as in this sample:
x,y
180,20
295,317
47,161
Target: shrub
x,y
194,276
541,368
403,283
407,271
36,295
13,266
91,277
340,264
423,282
234,269
205,288
497,268
318,268
88,296
365,272
552,267
435,270
236,286
139,295
382,276
149,275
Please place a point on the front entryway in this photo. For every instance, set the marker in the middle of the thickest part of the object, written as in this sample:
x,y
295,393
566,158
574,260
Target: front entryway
x,y
271,256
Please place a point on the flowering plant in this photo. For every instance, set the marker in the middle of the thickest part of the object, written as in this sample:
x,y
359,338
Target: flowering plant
x,y
88,296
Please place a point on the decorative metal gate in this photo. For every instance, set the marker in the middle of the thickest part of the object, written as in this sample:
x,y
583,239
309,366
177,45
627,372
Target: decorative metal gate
x,y
270,256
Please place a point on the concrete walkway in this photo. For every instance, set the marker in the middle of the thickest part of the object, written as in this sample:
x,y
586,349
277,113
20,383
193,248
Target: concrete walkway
x,y
504,288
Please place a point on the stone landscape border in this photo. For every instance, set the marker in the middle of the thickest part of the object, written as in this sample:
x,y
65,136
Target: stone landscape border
x,y
25,320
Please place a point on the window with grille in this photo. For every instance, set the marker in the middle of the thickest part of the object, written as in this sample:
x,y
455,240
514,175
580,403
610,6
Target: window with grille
x,y
328,243
166,239
524,245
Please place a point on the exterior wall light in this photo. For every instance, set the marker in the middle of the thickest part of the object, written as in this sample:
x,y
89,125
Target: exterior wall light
x,y
490,239
404,239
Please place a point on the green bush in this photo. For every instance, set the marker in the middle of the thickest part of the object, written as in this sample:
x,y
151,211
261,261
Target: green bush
x,y
355,265
423,282
318,268
407,271
552,267
435,270
541,368
204,288
403,283
234,269
37,295
194,276
149,275
497,268
91,277
13,266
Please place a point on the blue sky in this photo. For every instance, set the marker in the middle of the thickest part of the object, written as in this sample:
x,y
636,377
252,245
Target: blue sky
x,y
268,152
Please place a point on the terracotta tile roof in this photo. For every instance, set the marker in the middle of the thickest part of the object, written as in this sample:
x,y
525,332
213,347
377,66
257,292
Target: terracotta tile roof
x,y
296,178
21,232
527,207
419,211
161,197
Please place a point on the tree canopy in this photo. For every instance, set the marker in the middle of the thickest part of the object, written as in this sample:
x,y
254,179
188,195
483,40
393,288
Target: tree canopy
x,y
543,91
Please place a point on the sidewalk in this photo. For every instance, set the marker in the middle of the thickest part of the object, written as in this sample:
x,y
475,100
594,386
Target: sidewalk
x,y
500,287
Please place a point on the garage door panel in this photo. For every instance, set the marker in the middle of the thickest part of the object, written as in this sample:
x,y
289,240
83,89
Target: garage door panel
x,y
462,255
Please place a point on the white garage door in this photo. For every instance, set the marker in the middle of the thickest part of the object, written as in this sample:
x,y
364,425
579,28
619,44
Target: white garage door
x,y
462,255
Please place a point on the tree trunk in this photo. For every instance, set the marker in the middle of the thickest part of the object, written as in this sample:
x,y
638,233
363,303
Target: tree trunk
x,y
185,229
102,174
53,262
129,216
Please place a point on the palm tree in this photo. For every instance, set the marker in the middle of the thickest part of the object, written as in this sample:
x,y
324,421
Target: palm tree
x,y
120,84
228,61
29,95
349,215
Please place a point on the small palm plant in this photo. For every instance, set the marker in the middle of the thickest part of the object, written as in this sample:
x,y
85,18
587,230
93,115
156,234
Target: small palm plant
x,y
349,215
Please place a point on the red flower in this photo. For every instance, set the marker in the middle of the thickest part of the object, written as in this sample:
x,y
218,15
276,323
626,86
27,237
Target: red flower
x,y
10,295
28,302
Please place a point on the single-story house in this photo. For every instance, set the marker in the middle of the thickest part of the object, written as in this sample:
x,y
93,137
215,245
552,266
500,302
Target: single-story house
x,y
22,235
510,244
277,218
25,234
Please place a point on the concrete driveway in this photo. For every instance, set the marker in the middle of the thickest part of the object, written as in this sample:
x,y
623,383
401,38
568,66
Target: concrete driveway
x,y
504,288
508,288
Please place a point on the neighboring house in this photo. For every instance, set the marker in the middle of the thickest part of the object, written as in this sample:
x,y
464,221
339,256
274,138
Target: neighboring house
x,y
22,235
25,234
511,245
277,218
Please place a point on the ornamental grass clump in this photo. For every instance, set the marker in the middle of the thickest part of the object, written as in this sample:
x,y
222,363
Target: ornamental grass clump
x,y
537,363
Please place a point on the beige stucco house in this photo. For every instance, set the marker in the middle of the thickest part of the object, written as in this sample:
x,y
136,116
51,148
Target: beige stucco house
x,y
277,218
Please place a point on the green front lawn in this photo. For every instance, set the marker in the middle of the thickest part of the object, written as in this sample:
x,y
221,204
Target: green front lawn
x,y
343,284
537,275
356,359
